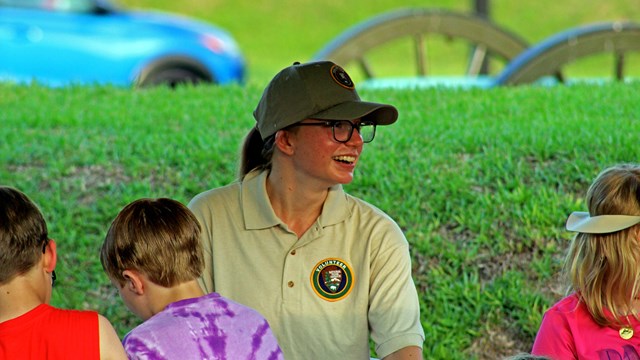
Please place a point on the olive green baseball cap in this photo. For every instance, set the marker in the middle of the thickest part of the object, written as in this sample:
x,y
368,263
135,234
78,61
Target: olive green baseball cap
x,y
315,90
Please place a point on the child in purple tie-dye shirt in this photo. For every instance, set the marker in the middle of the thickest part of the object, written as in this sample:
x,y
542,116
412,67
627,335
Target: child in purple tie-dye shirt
x,y
152,254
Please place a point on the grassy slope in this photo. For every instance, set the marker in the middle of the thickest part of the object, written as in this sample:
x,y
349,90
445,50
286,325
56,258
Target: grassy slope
x,y
273,34
481,182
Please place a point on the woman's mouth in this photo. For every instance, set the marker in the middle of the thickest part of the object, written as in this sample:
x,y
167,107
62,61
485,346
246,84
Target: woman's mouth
x,y
346,159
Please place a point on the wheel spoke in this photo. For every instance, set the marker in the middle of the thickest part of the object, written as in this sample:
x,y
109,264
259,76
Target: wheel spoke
x,y
477,60
366,69
619,65
420,47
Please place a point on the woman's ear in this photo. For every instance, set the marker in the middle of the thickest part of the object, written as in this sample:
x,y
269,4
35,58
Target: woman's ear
x,y
134,282
50,256
283,141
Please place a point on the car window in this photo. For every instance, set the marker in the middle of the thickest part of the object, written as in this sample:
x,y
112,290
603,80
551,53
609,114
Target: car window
x,y
22,3
55,5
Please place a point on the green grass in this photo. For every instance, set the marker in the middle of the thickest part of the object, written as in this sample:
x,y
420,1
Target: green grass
x,y
481,182
273,34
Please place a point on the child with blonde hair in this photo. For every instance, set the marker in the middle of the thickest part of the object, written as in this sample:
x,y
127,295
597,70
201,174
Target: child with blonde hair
x,y
599,317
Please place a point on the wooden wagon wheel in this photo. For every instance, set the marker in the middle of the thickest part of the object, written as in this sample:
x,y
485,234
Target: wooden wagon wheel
x,y
551,55
486,38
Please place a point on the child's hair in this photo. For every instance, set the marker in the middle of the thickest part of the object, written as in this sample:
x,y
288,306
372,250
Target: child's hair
x,y
527,356
23,234
604,269
158,237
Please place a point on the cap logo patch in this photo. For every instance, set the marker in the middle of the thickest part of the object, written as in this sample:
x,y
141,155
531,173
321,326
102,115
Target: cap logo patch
x,y
332,279
341,77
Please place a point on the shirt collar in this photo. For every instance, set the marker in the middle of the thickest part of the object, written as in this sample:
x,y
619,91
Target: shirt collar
x,y
259,214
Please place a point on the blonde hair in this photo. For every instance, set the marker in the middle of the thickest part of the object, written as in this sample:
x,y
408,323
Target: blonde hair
x,y
527,356
158,237
604,269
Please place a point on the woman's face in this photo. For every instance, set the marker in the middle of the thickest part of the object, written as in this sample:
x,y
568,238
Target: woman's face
x,y
319,157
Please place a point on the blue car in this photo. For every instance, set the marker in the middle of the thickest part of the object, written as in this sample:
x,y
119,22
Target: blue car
x,y
64,42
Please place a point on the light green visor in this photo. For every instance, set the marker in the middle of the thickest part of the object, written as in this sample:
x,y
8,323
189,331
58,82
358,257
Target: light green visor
x,y
581,221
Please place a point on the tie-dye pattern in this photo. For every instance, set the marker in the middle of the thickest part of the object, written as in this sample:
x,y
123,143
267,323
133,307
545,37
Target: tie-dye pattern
x,y
209,327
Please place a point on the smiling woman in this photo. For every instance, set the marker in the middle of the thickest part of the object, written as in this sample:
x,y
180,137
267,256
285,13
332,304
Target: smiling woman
x,y
329,271
93,42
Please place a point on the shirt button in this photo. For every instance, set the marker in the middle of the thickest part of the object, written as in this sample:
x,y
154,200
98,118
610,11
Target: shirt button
x,y
290,284
293,252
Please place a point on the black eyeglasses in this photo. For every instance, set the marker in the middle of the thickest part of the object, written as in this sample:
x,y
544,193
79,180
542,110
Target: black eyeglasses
x,y
343,129
53,273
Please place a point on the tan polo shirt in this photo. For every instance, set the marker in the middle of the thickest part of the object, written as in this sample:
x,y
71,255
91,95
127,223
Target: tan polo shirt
x,y
347,278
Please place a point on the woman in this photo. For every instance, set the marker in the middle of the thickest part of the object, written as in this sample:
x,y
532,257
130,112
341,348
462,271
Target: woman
x,y
326,269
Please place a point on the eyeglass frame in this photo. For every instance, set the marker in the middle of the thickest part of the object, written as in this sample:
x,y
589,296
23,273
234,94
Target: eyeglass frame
x,y
333,123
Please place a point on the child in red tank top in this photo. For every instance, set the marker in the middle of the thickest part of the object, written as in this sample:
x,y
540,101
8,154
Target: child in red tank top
x,y
29,327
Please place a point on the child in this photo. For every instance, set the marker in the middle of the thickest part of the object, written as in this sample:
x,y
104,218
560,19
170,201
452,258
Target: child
x,y
599,317
29,327
152,253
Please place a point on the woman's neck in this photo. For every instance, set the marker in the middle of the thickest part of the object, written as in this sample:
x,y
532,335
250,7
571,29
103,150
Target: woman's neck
x,y
295,203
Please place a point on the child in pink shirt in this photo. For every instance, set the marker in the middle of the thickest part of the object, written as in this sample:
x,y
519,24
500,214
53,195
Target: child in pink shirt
x,y
599,318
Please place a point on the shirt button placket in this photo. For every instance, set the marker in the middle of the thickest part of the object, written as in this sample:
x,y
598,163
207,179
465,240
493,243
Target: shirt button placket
x,y
291,283
291,274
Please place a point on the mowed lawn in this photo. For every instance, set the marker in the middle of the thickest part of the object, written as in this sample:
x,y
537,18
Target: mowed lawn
x,y
274,33
481,181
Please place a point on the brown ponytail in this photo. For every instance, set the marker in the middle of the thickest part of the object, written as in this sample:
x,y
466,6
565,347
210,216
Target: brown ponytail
x,y
256,153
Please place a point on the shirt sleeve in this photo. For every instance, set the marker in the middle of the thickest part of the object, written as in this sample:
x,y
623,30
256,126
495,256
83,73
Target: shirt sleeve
x,y
394,313
198,206
554,338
